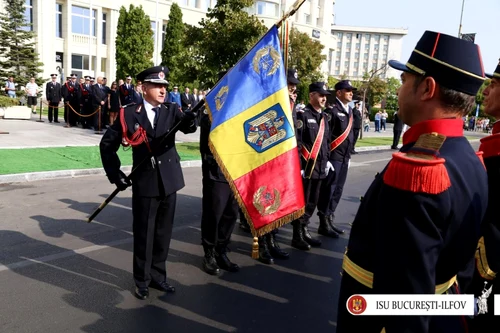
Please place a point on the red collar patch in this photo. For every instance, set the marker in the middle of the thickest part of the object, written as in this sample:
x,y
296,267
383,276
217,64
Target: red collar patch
x,y
446,127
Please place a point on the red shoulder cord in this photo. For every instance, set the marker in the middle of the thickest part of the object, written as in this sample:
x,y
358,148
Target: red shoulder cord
x,y
139,135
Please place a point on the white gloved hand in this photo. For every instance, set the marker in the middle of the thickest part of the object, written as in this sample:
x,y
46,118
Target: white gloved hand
x,y
302,173
329,167
348,164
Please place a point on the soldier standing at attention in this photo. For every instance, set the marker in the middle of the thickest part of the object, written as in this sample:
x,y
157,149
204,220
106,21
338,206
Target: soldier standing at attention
x,y
488,250
418,224
155,183
341,144
312,141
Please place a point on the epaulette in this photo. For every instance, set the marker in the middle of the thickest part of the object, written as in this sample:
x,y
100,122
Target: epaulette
x,y
127,105
490,145
420,170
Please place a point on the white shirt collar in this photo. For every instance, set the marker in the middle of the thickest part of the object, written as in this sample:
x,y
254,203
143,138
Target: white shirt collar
x,y
149,111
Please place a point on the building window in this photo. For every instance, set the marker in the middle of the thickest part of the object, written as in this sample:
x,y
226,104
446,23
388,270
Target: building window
x,y
348,55
365,56
269,9
375,56
339,45
340,35
80,63
164,31
356,55
346,64
337,56
348,46
386,38
153,27
384,57
358,45
374,65
337,72
307,18
80,21
337,63
205,4
183,2
191,3
59,20
375,47
365,65
103,67
376,37
28,15
367,37
367,47
355,73
104,28
386,48
356,64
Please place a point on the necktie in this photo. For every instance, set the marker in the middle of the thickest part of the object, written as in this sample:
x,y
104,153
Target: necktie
x,y
157,112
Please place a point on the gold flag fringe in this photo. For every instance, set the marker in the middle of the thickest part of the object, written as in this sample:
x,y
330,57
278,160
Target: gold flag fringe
x,y
264,230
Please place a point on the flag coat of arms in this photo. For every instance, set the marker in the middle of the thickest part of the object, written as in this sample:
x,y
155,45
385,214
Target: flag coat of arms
x,y
253,139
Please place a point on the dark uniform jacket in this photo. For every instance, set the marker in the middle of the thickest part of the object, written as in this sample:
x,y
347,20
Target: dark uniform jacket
x,y
150,180
210,169
53,92
416,229
126,95
308,121
398,123
85,92
71,93
99,95
339,120
357,119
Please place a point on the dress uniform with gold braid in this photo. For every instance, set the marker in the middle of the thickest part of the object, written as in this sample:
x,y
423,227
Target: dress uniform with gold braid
x,y
484,284
154,184
418,224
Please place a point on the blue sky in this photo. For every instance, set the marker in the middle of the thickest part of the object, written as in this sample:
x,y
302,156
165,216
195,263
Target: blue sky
x,y
480,16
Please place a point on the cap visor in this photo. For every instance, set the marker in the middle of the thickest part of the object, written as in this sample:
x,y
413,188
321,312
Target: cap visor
x,y
324,92
293,81
399,66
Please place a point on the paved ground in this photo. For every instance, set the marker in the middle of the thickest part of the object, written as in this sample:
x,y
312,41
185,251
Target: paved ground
x,y
60,274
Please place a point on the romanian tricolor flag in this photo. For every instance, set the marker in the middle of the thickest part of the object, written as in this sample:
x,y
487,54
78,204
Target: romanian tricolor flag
x,y
253,139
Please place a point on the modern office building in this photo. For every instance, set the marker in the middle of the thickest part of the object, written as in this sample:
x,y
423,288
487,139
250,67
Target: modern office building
x,y
78,36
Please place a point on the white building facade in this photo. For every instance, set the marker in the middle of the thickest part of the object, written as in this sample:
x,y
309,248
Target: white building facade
x,y
78,36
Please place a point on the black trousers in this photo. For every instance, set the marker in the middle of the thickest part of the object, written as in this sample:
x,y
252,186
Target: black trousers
x,y
72,116
396,137
332,188
355,132
219,214
53,110
311,195
86,110
152,226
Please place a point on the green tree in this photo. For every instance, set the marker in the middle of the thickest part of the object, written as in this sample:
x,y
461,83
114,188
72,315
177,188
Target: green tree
x,y
223,37
480,97
134,42
17,46
172,43
391,96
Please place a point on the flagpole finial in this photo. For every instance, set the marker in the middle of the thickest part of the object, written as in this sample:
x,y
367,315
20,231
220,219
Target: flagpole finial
x,y
255,248
290,12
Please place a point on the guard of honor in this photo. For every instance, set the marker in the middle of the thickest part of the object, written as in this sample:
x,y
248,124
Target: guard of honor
x,y
156,182
53,96
418,224
484,283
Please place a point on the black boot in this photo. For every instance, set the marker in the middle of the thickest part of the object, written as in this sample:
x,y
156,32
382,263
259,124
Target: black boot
x,y
325,229
333,226
298,240
264,255
209,263
274,247
223,261
308,238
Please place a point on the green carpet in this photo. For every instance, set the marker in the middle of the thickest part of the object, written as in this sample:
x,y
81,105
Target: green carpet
x,y
49,159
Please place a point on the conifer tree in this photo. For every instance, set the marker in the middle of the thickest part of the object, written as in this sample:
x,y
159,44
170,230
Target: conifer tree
x,y
172,44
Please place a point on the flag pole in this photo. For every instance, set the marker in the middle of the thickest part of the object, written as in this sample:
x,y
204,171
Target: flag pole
x,y
290,12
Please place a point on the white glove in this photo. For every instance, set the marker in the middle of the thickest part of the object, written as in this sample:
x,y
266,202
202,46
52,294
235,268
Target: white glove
x,y
302,173
348,164
329,167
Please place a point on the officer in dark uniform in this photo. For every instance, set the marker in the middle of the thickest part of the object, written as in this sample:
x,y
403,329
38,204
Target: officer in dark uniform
x,y
418,224
313,143
357,123
53,96
86,103
127,91
72,96
64,95
155,183
219,207
397,130
484,284
342,140
99,99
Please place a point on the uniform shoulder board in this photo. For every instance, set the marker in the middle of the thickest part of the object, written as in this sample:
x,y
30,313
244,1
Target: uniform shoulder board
x,y
420,170
127,105
490,145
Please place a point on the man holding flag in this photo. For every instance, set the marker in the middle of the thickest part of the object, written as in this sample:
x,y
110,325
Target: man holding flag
x,y
252,137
